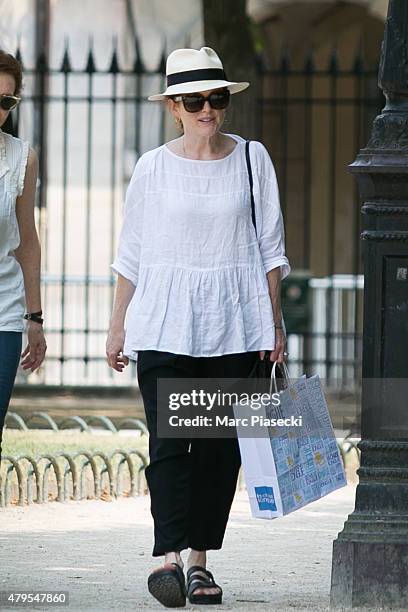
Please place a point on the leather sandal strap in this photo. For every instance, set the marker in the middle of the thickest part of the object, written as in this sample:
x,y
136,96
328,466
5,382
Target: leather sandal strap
x,y
199,568
176,569
179,572
205,582
196,581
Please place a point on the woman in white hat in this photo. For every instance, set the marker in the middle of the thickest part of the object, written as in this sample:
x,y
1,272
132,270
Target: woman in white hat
x,y
199,277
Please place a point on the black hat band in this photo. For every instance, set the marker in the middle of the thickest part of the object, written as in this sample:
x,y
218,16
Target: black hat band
x,y
204,74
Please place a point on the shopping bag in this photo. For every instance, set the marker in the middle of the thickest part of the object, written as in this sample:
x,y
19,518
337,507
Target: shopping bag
x,y
287,467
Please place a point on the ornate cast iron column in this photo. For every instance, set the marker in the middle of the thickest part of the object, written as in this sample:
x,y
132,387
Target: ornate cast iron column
x,y
370,555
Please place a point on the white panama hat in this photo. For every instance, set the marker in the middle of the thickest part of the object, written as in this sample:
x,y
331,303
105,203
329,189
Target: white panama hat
x,y
189,71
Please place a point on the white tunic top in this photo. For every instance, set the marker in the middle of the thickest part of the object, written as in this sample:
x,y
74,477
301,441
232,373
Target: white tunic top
x,y
13,161
189,246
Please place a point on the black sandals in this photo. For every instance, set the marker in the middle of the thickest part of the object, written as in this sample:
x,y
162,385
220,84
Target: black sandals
x,y
168,586
197,581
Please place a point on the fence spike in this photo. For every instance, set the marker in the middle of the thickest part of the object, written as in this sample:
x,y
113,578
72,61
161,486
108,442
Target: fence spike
x,y
310,62
66,62
114,64
136,37
284,59
18,55
138,66
334,60
358,66
162,64
41,62
259,62
90,63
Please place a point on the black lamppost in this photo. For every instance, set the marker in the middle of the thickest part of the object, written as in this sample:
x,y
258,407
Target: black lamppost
x,y
370,555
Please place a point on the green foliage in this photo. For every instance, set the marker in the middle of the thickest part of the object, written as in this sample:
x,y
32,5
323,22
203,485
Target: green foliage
x,y
257,36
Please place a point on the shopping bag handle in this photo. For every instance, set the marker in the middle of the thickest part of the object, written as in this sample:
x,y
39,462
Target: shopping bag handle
x,y
273,387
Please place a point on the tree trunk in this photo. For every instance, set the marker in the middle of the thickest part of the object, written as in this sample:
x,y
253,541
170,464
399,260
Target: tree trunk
x,y
227,31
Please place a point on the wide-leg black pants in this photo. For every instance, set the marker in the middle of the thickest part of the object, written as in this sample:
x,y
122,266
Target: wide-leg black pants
x,y
191,481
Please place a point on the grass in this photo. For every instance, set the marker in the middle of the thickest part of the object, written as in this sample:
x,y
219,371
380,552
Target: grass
x,y
39,442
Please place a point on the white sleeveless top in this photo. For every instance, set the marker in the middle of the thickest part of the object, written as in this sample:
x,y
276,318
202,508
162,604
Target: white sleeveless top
x,y
189,246
13,162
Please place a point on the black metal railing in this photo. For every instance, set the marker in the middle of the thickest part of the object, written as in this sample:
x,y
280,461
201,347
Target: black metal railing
x,y
313,121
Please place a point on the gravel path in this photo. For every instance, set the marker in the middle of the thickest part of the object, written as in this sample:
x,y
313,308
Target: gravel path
x,y
101,553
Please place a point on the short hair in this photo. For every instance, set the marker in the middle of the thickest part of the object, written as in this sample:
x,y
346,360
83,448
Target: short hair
x,y
10,65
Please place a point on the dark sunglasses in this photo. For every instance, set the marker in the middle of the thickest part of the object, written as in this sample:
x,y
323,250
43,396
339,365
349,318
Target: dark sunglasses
x,y
8,102
194,103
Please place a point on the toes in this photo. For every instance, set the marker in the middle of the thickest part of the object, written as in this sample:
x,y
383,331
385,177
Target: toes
x,y
206,591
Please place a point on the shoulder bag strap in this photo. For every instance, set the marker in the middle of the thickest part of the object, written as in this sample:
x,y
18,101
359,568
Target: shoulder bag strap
x,y
251,182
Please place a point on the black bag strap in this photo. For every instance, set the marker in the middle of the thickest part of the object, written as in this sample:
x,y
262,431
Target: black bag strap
x,y
251,182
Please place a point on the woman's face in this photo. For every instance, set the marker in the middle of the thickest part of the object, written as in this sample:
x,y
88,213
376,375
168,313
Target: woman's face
x,y
7,86
205,122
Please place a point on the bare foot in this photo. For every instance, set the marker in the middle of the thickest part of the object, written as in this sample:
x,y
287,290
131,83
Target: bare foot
x,y
204,590
173,557
199,557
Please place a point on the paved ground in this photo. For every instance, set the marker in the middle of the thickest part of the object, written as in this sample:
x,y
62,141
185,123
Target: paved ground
x,y
101,553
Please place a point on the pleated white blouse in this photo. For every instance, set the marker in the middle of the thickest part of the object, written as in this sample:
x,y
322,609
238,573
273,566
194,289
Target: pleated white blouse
x,y
189,246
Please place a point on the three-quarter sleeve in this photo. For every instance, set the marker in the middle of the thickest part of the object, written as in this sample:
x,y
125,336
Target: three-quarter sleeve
x,y
269,219
127,258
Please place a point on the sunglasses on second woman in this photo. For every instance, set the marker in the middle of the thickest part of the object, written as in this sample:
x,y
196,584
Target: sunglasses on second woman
x,y
8,102
193,103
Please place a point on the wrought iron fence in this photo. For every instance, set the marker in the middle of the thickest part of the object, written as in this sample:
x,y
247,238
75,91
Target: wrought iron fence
x,y
77,476
313,120
91,124
89,424
64,476
94,124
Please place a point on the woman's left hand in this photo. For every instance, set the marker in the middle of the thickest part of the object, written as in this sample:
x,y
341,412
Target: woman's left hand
x,y
34,353
280,347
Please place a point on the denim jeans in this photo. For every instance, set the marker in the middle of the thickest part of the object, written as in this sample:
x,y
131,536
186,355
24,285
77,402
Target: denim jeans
x,y
10,351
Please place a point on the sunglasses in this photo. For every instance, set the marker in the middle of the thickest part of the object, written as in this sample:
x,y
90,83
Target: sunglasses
x,y
8,102
194,103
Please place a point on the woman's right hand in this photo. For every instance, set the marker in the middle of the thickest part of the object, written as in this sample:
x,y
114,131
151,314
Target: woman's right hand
x,y
33,355
114,350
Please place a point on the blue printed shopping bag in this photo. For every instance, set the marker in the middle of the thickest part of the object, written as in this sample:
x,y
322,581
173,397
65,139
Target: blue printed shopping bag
x,y
288,465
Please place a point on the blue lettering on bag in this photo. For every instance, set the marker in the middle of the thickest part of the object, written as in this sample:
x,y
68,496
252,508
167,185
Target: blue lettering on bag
x,y
311,478
265,498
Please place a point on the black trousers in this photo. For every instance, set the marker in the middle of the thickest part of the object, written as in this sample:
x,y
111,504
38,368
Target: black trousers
x,y
192,482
